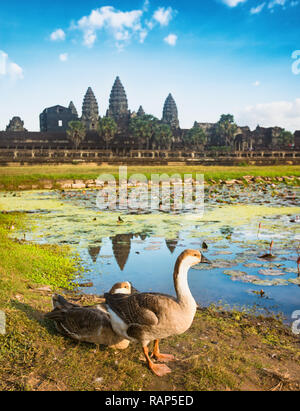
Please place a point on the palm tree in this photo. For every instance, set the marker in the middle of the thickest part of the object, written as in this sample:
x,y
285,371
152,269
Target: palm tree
x,y
142,129
76,132
195,138
107,127
226,129
163,136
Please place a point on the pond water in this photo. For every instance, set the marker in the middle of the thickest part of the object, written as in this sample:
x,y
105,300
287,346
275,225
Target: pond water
x,y
144,247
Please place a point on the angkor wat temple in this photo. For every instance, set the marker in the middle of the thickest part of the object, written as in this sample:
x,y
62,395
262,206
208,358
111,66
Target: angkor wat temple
x,y
54,122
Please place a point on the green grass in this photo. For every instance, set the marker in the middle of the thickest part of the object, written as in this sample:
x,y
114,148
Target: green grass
x,y
12,177
22,262
221,351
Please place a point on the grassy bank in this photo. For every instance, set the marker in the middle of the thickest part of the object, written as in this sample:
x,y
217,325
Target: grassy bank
x,y
12,177
222,350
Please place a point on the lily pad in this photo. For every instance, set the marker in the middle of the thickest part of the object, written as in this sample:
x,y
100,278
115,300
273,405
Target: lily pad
x,y
201,267
291,270
222,253
246,279
271,272
235,273
266,283
295,280
223,264
253,265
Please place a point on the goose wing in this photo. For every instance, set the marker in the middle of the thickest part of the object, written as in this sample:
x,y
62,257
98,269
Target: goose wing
x,y
80,322
142,309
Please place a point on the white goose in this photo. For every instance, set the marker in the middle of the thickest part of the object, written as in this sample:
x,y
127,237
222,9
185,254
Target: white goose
x,y
147,317
88,324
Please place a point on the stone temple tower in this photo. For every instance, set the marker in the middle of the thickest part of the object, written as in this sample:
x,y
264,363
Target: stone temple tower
x,y
118,104
73,108
90,110
16,124
141,112
170,112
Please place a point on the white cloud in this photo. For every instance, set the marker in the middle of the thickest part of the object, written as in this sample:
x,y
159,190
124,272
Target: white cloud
x,y
63,57
233,3
143,35
9,69
122,25
58,35
270,4
171,39
163,16
15,71
282,3
274,3
284,114
256,84
258,9
89,38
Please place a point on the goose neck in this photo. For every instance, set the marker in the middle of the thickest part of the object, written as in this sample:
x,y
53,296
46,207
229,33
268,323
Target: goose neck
x,y
182,288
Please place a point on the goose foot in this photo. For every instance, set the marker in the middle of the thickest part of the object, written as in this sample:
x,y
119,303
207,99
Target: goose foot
x,y
164,357
159,369
159,356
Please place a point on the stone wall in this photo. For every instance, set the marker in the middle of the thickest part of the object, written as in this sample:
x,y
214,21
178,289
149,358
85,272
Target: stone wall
x,y
25,140
142,157
38,140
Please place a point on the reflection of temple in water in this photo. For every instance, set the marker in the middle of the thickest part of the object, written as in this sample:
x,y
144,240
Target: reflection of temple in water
x,y
94,252
121,245
171,244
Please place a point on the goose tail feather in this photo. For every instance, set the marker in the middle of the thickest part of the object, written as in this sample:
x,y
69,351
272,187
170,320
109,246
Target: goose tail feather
x,y
59,302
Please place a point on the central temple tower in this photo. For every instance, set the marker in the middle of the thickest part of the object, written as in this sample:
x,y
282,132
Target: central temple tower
x,y
170,112
118,104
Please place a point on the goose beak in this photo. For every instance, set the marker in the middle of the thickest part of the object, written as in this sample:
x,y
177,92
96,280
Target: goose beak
x,y
205,260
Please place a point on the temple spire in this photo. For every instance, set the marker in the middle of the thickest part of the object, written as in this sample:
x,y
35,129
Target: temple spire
x,y
73,108
90,110
118,104
170,112
141,112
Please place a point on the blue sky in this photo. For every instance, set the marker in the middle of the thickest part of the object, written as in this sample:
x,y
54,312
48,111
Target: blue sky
x,y
214,56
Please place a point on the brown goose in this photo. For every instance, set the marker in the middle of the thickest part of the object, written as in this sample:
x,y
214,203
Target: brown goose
x,y
88,324
147,317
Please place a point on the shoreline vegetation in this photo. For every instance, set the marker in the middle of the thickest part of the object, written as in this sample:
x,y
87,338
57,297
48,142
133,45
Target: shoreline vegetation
x,y
224,350
84,176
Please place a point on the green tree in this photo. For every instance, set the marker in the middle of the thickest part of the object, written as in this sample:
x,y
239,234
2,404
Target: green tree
x,y
142,129
226,129
195,138
107,128
76,132
163,136
285,138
